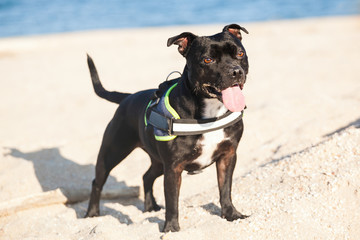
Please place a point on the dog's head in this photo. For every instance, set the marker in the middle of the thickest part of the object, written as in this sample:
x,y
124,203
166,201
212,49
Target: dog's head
x,y
216,65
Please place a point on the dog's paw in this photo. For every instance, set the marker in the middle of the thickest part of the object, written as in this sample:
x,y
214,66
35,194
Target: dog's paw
x,y
92,213
171,227
151,205
151,208
232,214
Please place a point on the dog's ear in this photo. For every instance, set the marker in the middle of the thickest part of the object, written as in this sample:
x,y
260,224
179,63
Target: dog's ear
x,y
184,41
235,30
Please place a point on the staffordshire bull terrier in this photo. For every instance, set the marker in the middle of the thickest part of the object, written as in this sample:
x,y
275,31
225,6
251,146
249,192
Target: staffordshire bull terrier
x,y
186,124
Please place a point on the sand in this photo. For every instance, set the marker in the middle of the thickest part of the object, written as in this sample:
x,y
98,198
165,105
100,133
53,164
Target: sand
x,y
298,169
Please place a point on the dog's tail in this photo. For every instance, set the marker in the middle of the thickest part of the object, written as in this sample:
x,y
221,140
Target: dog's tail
x,y
115,97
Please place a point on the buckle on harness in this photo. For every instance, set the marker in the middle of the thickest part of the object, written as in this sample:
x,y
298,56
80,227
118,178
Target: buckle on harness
x,y
170,125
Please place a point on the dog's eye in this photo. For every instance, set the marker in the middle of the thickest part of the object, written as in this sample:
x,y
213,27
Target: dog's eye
x,y
241,54
208,60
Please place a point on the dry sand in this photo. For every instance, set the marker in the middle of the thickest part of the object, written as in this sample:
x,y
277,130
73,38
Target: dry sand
x,y
298,170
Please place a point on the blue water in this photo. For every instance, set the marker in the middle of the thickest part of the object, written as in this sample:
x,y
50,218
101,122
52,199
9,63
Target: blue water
x,y
29,17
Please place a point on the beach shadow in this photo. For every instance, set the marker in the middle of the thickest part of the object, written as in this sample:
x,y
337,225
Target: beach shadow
x,y
355,124
212,208
53,171
158,221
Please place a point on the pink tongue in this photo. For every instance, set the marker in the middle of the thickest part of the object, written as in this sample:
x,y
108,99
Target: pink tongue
x,y
233,99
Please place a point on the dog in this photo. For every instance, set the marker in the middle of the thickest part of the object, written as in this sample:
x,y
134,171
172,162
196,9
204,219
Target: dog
x,y
168,122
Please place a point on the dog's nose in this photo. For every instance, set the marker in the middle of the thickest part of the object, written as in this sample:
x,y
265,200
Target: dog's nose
x,y
237,72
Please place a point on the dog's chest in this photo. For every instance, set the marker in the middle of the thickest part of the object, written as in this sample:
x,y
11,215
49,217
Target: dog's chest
x,y
209,142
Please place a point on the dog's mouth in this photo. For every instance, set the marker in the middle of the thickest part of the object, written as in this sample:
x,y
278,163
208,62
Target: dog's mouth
x,y
232,97
215,92
212,91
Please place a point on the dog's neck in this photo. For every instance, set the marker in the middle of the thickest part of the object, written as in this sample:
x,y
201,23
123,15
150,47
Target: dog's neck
x,y
207,107
185,103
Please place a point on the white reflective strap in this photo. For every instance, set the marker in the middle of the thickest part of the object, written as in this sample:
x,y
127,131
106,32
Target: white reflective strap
x,y
196,127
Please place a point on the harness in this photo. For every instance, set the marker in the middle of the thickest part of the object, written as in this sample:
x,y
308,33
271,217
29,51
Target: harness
x,y
167,124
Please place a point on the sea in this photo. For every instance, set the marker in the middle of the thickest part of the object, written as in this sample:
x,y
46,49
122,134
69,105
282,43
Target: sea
x,y
33,17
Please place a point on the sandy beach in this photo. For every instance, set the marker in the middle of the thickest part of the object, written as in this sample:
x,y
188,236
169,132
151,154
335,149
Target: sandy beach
x,y
298,169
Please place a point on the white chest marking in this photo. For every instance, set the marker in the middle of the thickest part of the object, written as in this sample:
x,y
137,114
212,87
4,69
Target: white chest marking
x,y
210,140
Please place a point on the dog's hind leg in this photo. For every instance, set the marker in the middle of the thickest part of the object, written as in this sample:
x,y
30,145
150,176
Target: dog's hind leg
x,y
114,149
155,171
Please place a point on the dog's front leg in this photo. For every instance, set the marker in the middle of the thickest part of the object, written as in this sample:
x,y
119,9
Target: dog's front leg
x,y
172,182
225,168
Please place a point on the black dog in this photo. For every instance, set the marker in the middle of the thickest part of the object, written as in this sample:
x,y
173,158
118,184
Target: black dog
x,y
187,124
